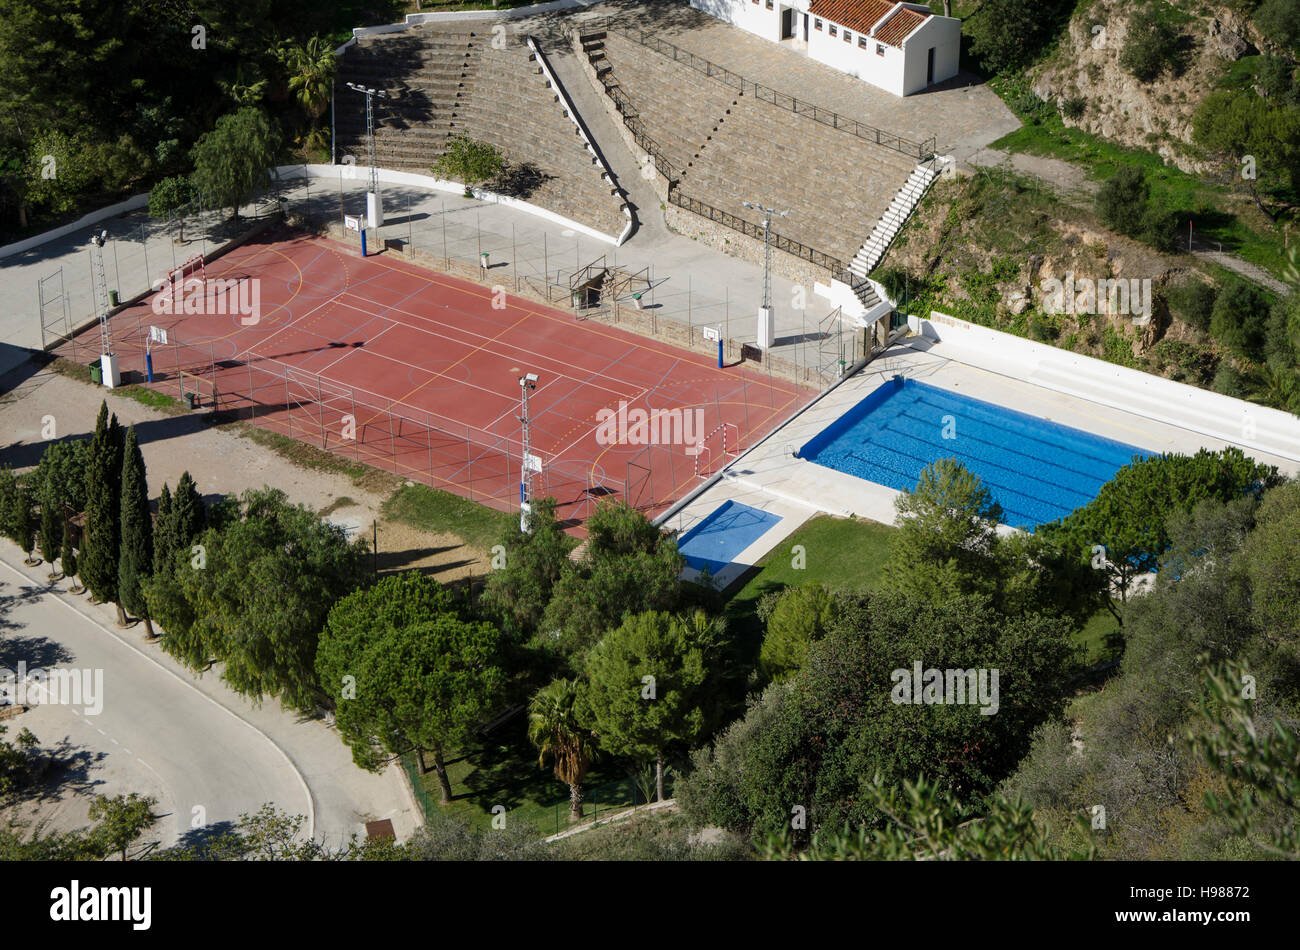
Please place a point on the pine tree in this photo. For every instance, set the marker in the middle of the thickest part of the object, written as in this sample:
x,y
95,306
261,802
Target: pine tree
x,y
51,527
135,564
103,512
189,517
164,533
68,558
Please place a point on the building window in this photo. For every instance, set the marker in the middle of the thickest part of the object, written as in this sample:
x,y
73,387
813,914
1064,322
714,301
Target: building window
x,y
817,24
848,37
769,4
880,50
862,42
833,28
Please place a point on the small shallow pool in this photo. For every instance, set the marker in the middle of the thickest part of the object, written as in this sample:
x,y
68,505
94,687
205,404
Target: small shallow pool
x,y
1036,470
728,530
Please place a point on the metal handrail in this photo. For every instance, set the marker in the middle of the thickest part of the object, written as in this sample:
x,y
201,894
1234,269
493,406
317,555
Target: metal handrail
x,y
779,241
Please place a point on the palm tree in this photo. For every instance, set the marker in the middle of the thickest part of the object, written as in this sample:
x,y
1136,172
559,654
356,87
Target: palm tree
x,y
554,729
311,69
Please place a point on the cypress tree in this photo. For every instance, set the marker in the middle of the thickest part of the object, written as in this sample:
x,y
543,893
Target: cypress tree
x,y
51,527
189,517
164,544
9,500
24,522
100,545
135,564
69,561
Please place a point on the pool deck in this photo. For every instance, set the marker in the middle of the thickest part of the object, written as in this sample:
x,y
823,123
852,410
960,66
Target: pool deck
x,y
770,478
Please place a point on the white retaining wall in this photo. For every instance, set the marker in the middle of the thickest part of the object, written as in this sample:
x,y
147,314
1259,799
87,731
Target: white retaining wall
x,y
429,183
1222,417
134,203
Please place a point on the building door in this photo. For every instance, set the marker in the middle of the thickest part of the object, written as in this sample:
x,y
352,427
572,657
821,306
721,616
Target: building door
x,y
787,23
929,66
805,28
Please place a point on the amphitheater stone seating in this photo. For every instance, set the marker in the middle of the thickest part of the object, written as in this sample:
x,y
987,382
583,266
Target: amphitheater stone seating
x,y
732,147
448,83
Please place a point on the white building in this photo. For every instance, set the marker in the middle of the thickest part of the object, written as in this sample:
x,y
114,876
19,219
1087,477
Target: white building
x,y
900,47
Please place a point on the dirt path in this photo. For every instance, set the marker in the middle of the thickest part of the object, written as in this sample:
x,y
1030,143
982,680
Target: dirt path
x,y
222,462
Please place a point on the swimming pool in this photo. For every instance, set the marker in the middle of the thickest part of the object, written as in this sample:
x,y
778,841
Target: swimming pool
x,y
728,530
1036,470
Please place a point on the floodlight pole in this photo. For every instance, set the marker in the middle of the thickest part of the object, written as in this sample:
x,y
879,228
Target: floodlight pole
x,y
101,292
374,207
526,383
765,313
103,303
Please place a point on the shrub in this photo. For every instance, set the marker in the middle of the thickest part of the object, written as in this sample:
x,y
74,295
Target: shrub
x,y
895,280
798,619
1122,200
1192,302
1240,318
1042,328
1073,107
1151,46
1160,229
1228,381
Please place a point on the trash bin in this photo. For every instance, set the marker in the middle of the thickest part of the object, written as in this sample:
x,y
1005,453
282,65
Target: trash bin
x,y
112,297
96,373
188,399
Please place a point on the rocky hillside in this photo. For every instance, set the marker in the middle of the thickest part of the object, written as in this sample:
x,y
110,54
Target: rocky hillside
x,y
1086,67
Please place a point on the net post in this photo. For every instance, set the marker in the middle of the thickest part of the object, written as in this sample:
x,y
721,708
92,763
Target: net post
x,y
320,404
252,400
288,408
356,436
392,436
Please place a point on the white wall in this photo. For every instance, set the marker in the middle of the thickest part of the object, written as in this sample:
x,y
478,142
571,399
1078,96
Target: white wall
x,y
944,34
883,71
1154,397
755,18
900,71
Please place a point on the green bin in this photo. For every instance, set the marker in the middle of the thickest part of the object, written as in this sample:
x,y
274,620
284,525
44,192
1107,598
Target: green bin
x,y
112,297
96,373
188,398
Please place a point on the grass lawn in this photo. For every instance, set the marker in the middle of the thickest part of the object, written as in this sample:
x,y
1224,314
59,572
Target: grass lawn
x,y
430,509
502,769
839,552
1092,637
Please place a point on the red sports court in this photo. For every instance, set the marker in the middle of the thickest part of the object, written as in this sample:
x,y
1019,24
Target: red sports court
x,y
418,373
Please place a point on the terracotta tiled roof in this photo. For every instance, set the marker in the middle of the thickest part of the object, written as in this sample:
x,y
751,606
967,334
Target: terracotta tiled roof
x,y
861,16
857,15
900,26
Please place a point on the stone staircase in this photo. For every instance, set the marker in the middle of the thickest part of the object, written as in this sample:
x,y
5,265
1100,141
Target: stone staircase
x,y
891,222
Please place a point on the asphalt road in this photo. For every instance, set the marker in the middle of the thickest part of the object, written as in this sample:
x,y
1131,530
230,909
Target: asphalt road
x,y
207,754
150,731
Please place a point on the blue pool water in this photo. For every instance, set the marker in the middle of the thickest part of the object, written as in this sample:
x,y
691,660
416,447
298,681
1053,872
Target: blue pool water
x,y
728,530
1036,470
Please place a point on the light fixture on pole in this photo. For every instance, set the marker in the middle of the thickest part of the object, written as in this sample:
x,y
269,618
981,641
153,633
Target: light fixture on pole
x,y
103,303
374,205
531,464
766,325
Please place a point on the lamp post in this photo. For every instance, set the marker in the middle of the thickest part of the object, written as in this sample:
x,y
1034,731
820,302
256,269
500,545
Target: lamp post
x,y
766,326
374,206
530,463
